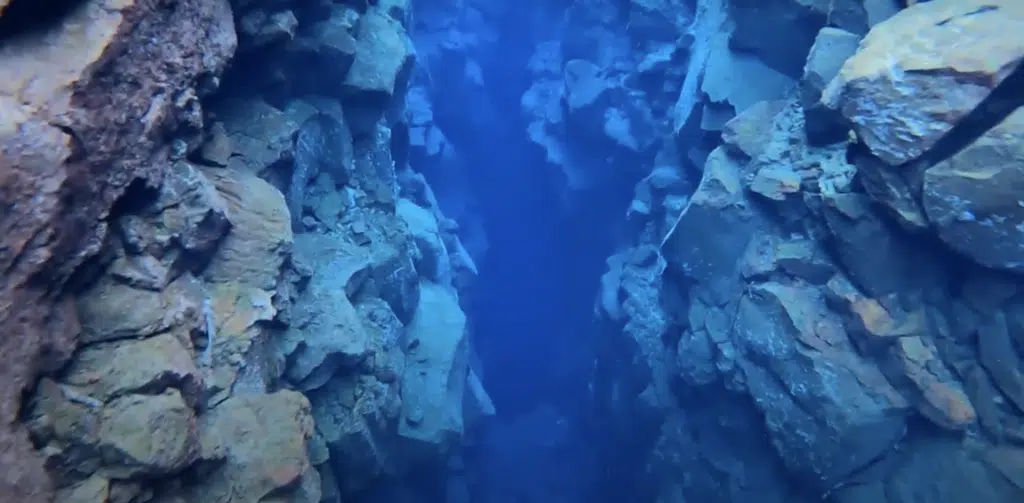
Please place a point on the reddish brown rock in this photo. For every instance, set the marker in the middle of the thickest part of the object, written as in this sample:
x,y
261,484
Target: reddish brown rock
x,y
85,109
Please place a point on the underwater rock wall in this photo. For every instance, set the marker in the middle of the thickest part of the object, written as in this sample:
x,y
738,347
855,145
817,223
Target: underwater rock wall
x,y
831,313
173,333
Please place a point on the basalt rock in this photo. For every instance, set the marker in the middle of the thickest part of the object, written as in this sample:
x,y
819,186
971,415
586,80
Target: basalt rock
x,y
87,105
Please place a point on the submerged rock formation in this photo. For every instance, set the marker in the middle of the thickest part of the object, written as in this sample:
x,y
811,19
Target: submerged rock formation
x,y
821,318
85,113
169,335
229,285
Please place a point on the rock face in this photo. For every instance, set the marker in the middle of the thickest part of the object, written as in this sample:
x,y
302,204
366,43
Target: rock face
x,y
832,312
179,336
69,152
904,97
908,84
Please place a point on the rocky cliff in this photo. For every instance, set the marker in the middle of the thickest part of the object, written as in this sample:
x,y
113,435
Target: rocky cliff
x,y
833,311
171,332
223,282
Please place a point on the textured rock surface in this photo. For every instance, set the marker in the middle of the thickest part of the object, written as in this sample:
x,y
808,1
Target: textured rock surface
x,y
973,199
921,71
68,154
154,281
792,318
794,308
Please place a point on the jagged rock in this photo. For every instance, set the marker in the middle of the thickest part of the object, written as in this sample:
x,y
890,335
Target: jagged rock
x,y
261,441
260,238
133,435
92,490
777,183
784,45
432,260
876,256
328,45
587,95
183,226
109,370
356,414
647,322
543,102
654,20
426,139
913,76
718,213
217,148
375,172
392,274
111,310
872,325
599,107
973,199
800,326
936,393
259,28
839,326
996,353
323,146
434,381
722,89
399,10
238,355
326,334
144,272
746,135
794,354
464,270
260,134
147,435
799,258
381,70
831,49
357,417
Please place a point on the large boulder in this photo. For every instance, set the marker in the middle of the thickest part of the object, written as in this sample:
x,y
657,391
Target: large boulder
x,y
261,442
381,69
918,73
912,80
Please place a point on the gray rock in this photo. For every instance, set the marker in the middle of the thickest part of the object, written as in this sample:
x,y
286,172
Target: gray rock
x,y
323,144
326,334
975,199
434,382
380,72
912,79
829,412
784,46
831,49
432,261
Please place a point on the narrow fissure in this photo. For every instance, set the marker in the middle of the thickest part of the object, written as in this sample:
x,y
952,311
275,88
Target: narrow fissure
x,y
477,251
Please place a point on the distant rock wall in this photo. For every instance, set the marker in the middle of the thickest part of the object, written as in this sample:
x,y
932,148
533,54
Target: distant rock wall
x,y
832,313
170,335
